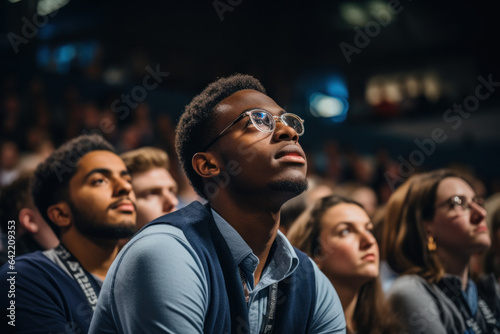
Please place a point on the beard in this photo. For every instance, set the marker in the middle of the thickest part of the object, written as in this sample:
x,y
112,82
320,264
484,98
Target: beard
x,y
291,187
91,225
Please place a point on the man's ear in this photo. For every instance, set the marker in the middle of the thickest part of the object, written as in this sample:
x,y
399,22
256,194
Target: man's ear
x,y
60,214
27,219
205,165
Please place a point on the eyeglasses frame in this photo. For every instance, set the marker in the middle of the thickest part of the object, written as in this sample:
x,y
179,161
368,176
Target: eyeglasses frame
x,y
247,113
453,200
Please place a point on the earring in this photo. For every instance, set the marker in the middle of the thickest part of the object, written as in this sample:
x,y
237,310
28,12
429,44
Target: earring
x,y
431,245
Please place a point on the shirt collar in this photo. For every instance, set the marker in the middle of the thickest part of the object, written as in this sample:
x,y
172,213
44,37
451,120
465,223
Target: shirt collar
x,y
238,247
283,262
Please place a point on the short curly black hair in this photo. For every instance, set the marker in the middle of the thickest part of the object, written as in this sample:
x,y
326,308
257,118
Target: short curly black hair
x,y
197,124
51,178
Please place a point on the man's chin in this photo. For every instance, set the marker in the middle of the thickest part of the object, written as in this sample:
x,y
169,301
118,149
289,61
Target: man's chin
x,y
110,232
291,187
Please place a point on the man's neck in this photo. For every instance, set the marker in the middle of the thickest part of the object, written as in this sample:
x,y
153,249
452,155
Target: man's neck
x,y
94,255
257,228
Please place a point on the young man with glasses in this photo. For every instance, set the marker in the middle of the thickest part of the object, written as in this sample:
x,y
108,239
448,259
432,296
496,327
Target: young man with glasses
x,y
223,267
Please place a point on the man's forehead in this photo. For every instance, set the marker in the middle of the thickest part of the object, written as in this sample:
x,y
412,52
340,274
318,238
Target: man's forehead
x,y
156,175
100,159
246,99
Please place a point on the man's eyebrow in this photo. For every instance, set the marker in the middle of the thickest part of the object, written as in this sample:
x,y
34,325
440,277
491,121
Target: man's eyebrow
x,y
104,171
281,112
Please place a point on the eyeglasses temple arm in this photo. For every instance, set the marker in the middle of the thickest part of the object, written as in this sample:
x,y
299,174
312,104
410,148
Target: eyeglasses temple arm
x,y
225,129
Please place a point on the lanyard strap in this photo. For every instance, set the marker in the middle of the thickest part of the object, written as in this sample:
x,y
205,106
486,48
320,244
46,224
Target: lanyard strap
x,y
268,320
78,273
487,313
459,301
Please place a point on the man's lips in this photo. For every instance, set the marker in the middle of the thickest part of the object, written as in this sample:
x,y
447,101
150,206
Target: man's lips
x,y
292,155
123,205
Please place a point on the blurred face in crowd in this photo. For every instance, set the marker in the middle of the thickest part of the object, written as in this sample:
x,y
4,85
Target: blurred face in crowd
x,y
8,155
459,222
349,251
366,197
32,221
156,193
102,201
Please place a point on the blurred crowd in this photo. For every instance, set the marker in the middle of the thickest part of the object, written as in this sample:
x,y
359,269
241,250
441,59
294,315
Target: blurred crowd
x,y
34,120
377,205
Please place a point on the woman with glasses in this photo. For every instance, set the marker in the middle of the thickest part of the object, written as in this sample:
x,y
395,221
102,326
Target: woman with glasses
x,y
441,224
337,234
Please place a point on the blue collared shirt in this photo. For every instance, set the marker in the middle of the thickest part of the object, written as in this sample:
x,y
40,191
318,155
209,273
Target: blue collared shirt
x,y
135,298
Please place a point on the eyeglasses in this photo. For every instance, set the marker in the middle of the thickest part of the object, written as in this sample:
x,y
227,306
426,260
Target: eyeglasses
x,y
264,121
460,204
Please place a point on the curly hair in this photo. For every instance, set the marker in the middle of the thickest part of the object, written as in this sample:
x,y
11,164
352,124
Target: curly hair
x,y
51,178
197,124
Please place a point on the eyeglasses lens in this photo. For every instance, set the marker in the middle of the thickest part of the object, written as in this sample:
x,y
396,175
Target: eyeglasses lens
x,y
263,121
461,202
294,123
479,201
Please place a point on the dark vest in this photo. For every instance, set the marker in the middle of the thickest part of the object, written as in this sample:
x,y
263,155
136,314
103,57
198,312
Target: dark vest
x,y
227,311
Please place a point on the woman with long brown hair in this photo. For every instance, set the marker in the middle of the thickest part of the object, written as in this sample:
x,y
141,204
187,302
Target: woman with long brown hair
x,y
429,240
388,226
337,234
